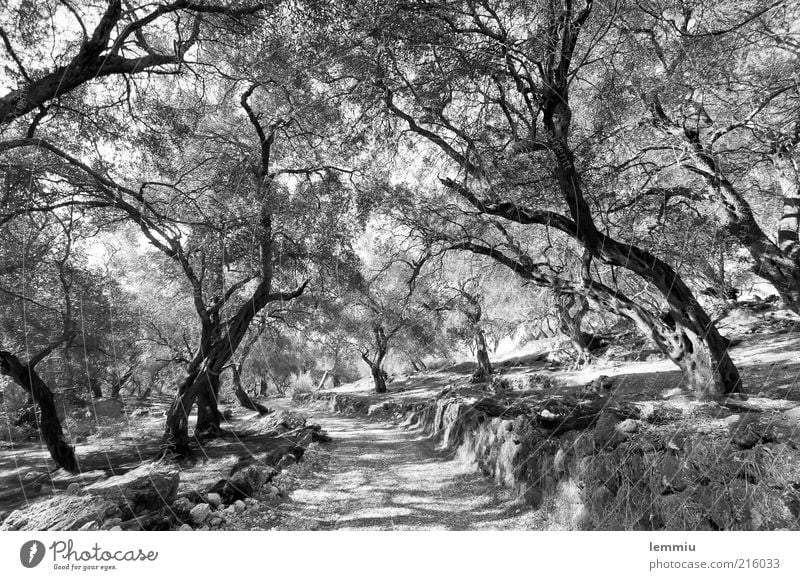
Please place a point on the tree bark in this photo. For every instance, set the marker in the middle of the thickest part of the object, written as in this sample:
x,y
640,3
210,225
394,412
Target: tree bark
x,y
484,371
376,364
378,379
49,425
202,381
699,350
570,309
778,264
241,394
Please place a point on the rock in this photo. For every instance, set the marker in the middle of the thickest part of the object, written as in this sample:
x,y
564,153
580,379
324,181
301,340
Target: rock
x,y
215,522
792,415
605,431
287,460
244,482
110,408
731,420
200,513
628,426
115,529
204,529
229,511
239,506
185,528
602,382
61,512
110,523
89,527
704,429
148,487
214,499
74,489
182,508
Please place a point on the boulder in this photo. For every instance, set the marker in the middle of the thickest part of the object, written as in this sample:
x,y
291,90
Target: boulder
x,y
62,512
148,487
244,482
89,526
185,528
214,499
200,513
182,508
239,506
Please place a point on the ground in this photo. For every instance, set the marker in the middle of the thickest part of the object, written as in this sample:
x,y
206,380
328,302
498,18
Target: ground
x,y
378,473
379,476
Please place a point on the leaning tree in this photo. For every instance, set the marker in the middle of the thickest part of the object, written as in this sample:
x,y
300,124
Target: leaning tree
x,y
501,90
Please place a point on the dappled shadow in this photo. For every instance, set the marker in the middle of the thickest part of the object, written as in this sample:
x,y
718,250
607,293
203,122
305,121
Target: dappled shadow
x,y
377,476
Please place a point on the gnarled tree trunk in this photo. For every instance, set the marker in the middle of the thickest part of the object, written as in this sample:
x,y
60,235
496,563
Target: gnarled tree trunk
x,y
49,425
241,394
484,371
376,364
571,308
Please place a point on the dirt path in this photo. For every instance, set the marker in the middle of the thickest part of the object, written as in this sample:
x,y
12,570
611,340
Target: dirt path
x,y
380,477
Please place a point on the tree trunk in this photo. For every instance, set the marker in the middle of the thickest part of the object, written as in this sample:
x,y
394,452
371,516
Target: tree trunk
x,y
484,371
209,418
321,384
119,382
698,348
378,378
95,388
778,264
571,309
49,426
242,395
202,381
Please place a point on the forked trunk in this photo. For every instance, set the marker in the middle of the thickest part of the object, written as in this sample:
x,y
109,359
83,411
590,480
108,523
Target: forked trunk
x,y
571,309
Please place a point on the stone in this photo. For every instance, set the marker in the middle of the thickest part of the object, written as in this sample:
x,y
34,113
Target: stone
x,y
182,508
115,529
110,523
605,431
245,482
229,511
287,460
61,513
214,499
185,528
90,526
74,489
239,506
204,529
109,408
792,415
731,420
148,487
704,429
215,522
602,382
200,513
628,426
